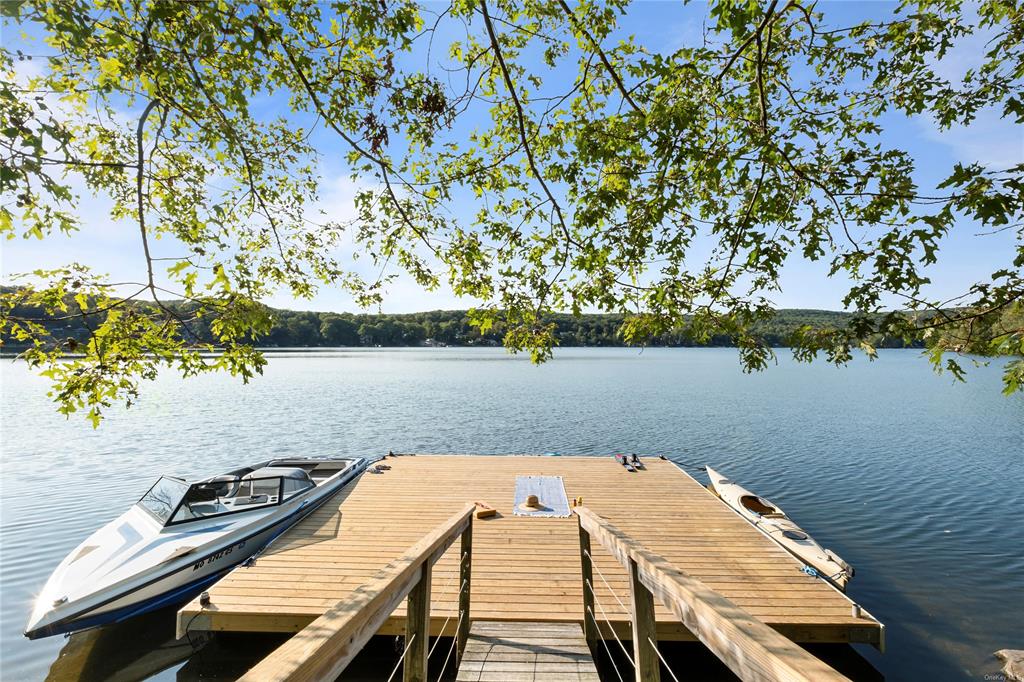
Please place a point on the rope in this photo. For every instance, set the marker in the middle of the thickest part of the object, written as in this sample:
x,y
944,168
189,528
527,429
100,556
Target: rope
x,y
601,576
604,614
438,639
596,601
663,661
455,639
189,624
444,590
815,573
605,644
188,636
401,658
445,624
623,646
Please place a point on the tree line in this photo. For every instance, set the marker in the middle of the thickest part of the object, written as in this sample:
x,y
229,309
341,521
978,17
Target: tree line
x,y
295,328
454,328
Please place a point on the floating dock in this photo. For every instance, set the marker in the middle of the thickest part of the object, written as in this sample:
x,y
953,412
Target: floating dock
x,y
526,569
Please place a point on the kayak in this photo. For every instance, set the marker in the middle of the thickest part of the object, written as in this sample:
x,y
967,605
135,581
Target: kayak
x,y
770,518
181,537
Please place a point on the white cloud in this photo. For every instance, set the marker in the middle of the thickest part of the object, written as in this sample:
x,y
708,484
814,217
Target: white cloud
x,y
337,196
989,139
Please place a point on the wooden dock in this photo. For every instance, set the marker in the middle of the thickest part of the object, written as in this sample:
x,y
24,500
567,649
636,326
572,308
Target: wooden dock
x,y
526,652
526,569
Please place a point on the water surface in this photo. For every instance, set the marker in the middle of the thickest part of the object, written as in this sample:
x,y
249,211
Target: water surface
x,y
915,481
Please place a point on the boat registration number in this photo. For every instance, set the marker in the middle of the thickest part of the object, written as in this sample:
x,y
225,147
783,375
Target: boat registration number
x,y
218,556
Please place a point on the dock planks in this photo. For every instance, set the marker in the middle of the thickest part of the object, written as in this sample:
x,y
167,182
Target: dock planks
x,y
525,569
526,652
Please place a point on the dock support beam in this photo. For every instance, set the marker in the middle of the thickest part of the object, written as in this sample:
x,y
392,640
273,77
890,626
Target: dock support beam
x,y
417,628
465,582
590,632
648,668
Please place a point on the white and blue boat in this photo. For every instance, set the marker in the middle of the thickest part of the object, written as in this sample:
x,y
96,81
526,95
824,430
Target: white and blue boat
x,y
180,538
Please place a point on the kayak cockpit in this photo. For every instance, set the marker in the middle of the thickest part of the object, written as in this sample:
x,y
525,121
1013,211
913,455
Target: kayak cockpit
x,y
758,506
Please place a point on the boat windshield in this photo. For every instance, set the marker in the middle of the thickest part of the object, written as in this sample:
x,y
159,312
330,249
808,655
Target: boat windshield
x,y
172,501
163,498
216,498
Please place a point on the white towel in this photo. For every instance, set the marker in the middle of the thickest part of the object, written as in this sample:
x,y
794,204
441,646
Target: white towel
x,y
549,490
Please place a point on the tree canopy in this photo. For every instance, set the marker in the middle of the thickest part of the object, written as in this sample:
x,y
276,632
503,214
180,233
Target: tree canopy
x,y
596,170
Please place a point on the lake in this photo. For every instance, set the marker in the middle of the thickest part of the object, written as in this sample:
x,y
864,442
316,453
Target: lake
x,y
913,479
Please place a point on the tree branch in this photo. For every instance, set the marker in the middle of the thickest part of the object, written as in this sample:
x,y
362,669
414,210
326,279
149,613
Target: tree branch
x,y
521,121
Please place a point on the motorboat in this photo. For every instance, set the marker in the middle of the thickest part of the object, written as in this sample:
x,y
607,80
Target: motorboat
x,y
770,518
181,537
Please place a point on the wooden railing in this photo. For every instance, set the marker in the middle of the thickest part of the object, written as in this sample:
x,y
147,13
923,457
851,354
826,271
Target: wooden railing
x,y
323,649
749,647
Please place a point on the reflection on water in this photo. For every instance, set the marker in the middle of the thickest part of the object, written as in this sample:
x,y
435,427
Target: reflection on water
x,y
916,481
137,649
144,648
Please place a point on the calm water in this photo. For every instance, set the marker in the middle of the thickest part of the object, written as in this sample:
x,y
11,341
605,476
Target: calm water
x,y
915,481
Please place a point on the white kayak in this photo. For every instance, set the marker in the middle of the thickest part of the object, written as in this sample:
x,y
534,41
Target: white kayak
x,y
767,516
179,538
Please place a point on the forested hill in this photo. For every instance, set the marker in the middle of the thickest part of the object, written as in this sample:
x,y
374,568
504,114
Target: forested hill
x,y
444,327
452,328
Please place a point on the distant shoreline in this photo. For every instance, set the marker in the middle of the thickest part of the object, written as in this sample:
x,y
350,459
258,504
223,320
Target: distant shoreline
x,y
313,350
455,328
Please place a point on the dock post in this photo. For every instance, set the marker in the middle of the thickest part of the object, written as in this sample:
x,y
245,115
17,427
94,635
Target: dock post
x,y
587,570
465,576
417,628
644,628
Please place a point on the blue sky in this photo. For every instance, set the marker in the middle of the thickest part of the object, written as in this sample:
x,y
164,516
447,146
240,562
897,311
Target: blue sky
x,y
114,248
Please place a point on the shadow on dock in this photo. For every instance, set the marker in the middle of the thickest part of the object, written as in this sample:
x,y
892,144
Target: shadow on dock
x,y
144,647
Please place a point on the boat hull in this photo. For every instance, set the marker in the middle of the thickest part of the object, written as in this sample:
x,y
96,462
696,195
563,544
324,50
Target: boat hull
x,y
167,588
179,581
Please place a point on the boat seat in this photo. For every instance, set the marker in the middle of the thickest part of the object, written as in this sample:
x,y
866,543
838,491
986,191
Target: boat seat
x,y
255,499
225,485
201,509
284,472
198,510
265,481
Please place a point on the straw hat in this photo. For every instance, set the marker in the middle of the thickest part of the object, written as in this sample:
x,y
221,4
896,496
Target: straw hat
x,y
532,504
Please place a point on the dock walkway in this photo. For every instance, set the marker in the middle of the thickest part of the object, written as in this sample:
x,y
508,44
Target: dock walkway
x,y
526,652
525,569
